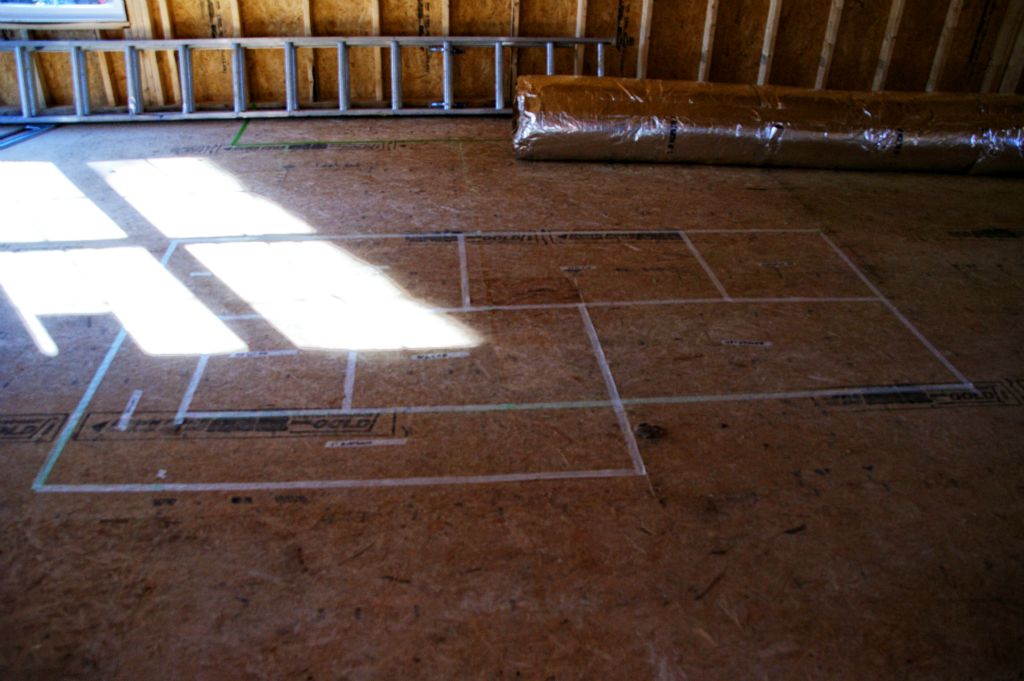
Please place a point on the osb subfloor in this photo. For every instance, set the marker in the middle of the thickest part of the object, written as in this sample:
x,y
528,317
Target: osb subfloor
x,y
372,400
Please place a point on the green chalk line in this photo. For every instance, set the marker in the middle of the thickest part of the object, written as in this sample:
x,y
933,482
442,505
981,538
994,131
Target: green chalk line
x,y
241,131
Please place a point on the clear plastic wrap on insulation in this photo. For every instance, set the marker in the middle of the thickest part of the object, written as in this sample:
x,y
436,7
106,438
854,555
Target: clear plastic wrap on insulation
x,y
612,119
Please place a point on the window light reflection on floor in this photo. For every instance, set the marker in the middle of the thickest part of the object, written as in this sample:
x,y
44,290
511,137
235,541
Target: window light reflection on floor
x,y
321,297
192,197
157,311
42,204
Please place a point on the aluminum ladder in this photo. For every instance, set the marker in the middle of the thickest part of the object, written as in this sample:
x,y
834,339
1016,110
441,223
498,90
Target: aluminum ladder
x,y
136,110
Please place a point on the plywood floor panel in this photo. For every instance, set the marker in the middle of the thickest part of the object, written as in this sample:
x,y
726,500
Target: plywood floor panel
x,y
614,459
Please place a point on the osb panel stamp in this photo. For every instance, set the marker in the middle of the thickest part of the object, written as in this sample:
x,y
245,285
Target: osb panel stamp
x,y
1006,393
30,427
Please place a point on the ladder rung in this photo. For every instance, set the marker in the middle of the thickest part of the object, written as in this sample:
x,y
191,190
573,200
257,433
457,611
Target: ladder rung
x,y
80,84
291,94
396,76
26,81
185,73
131,70
343,77
499,76
238,85
448,76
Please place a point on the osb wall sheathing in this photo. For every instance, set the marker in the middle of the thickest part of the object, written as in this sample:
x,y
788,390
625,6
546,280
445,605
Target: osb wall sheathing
x,y
539,18
738,40
972,45
618,19
474,69
798,45
858,43
677,36
8,85
211,69
343,17
265,68
673,50
912,59
422,79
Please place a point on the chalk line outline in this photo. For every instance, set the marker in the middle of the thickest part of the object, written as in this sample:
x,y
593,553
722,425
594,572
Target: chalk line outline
x,y
617,403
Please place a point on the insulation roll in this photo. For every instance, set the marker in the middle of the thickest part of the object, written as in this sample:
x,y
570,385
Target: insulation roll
x,y
571,118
